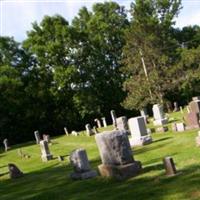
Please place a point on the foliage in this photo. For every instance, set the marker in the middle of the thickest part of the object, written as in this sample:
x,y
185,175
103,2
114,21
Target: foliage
x,y
149,38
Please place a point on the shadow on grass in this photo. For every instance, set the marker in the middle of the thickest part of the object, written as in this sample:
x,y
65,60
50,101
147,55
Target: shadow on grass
x,y
54,183
162,139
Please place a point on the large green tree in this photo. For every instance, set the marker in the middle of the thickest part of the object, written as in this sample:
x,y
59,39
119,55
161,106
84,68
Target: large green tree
x,y
148,56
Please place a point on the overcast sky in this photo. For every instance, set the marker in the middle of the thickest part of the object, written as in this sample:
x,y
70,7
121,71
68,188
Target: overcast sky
x,y
16,16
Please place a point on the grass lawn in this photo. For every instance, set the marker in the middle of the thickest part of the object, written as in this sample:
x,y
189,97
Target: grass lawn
x,y
46,181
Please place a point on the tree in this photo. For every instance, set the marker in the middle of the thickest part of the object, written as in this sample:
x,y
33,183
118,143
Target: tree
x,y
148,56
99,43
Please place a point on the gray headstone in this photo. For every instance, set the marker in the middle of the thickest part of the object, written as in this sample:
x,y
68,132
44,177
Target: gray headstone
x,y
169,166
46,155
89,130
114,118
194,106
122,123
66,131
98,123
37,137
80,163
114,148
116,155
14,171
6,145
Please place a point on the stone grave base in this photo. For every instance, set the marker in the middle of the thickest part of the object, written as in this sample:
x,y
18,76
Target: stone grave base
x,y
160,122
140,141
120,171
45,158
83,175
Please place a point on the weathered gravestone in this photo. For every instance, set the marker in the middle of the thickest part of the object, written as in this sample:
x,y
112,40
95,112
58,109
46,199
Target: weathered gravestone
x,y
98,122
169,166
138,131
37,137
6,145
75,133
14,171
192,120
114,118
196,98
176,108
180,127
162,129
104,121
66,131
159,115
122,123
89,130
116,155
95,130
80,163
46,155
195,106
46,138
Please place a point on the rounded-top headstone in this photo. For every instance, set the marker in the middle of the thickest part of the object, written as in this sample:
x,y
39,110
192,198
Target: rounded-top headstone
x,y
114,147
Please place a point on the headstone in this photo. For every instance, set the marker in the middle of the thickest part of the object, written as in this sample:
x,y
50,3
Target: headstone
x,y
138,131
95,130
116,155
104,122
114,118
46,138
181,109
80,163
162,129
122,123
188,109
176,108
74,133
159,115
98,123
195,106
37,137
198,139
46,155
196,98
169,166
192,120
60,158
174,128
14,171
144,113
89,130
66,131
180,127
6,145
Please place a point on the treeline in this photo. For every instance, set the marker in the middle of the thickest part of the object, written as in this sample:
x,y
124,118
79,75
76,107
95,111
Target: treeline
x,y
69,74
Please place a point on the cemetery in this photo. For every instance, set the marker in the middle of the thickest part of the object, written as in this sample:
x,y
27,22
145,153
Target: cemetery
x,y
99,100
165,168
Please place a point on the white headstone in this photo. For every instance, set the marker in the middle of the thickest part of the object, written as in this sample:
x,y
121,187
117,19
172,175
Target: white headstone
x,y
180,127
159,115
104,122
89,130
139,135
46,155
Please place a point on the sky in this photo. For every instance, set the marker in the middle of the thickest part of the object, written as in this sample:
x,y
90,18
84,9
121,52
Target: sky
x,y
16,16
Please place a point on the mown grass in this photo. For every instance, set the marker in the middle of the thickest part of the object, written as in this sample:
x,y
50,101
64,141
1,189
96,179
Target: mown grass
x,y
46,181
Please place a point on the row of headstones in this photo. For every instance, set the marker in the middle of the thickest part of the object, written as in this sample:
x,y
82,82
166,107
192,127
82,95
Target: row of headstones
x,y
116,156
